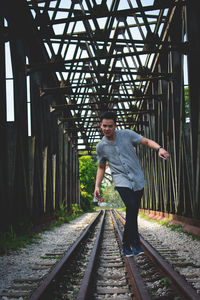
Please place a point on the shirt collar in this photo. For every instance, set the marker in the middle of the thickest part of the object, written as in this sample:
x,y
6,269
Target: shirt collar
x,y
111,142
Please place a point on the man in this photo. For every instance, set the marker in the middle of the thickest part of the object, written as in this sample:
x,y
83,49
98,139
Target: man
x,y
117,149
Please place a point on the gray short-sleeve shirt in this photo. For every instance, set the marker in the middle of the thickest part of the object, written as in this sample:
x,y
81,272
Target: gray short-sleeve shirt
x,y
122,159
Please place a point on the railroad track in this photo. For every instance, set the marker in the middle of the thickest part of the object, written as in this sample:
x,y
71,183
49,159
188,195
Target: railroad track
x,y
105,273
159,264
93,268
114,275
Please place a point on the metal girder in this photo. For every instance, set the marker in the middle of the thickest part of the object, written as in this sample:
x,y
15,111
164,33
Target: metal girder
x,y
103,55
98,13
80,58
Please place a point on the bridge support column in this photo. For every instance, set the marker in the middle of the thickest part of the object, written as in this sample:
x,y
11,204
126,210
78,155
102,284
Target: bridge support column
x,y
193,32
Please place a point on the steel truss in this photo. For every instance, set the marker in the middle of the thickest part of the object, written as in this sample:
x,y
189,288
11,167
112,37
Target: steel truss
x,y
84,57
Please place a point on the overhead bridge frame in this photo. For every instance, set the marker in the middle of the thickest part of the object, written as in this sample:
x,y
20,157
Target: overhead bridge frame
x,y
72,60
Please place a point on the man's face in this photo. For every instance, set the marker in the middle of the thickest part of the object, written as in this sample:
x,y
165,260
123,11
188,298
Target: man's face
x,y
108,127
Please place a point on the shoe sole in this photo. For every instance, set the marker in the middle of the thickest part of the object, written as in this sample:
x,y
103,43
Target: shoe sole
x,y
139,253
127,255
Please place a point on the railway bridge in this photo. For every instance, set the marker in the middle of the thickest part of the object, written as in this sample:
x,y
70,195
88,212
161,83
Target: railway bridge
x,y
65,62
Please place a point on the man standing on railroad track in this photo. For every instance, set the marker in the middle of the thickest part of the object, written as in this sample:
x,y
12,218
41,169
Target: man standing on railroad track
x,y
116,148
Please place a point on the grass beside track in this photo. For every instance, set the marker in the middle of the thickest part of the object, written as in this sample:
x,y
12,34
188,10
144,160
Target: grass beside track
x,y
13,240
177,227
27,233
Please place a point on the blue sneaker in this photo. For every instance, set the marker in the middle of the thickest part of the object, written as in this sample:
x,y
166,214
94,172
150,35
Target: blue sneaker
x,y
126,251
137,250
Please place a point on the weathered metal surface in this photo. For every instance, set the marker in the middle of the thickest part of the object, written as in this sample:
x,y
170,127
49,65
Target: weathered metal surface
x,y
85,287
43,289
137,284
180,284
83,59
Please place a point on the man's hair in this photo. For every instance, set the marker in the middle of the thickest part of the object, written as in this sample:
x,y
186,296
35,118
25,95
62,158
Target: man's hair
x,y
108,115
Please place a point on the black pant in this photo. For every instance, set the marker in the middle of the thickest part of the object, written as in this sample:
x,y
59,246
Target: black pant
x,y
131,200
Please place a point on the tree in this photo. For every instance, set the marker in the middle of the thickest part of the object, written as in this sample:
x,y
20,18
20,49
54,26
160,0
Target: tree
x,y
112,197
87,172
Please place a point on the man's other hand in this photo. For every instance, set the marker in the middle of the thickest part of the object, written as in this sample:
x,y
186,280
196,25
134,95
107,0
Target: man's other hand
x,y
97,194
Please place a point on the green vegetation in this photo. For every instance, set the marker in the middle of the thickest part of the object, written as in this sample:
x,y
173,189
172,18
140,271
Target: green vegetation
x,y
165,281
176,227
25,234
111,197
87,172
16,239
63,216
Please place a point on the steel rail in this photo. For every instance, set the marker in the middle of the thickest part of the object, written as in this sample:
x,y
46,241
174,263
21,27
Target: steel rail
x,y
179,283
135,279
43,289
85,288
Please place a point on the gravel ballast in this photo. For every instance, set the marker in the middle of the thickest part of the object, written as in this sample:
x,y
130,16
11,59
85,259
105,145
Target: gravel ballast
x,y
184,245
19,264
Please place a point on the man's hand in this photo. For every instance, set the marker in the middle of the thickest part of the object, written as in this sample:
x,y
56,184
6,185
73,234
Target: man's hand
x,y
99,178
97,193
163,154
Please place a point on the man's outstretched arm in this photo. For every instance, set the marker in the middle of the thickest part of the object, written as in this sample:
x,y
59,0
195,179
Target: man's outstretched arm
x,y
152,144
99,178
